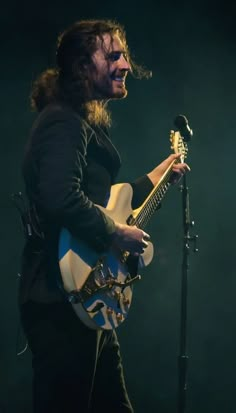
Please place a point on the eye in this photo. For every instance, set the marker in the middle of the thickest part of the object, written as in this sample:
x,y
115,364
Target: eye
x,y
114,56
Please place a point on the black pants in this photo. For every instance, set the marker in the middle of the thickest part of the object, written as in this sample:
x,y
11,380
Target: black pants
x,y
75,369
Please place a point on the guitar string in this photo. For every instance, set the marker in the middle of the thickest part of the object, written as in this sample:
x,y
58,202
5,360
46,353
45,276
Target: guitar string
x,y
149,208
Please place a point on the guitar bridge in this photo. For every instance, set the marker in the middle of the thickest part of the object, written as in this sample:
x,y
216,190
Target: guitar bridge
x,y
112,282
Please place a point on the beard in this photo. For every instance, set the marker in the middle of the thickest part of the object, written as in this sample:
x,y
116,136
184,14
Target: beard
x,y
106,88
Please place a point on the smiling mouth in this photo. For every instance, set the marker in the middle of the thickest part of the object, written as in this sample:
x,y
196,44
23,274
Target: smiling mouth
x,y
118,78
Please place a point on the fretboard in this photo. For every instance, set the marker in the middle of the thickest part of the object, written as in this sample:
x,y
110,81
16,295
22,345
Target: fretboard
x,y
153,201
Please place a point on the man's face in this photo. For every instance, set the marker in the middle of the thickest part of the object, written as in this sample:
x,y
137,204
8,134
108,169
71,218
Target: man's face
x,y
112,66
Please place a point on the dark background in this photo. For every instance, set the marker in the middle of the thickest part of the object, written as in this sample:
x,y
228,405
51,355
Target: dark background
x,y
190,47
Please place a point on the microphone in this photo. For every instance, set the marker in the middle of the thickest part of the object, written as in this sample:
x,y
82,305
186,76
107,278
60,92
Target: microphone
x,y
181,122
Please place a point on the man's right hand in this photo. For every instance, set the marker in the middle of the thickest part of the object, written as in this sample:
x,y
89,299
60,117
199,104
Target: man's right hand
x,y
130,238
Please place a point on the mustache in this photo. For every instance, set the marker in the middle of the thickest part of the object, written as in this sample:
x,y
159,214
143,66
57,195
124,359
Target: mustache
x,y
119,73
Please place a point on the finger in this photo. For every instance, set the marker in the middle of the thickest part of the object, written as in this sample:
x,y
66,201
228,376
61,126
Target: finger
x,y
144,244
175,156
182,166
137,254
178,172
146,237
185,167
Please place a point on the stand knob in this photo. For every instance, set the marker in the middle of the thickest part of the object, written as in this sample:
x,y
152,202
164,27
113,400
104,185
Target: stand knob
x,y
195,238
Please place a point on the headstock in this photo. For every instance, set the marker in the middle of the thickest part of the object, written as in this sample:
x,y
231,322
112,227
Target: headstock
x,y
178,145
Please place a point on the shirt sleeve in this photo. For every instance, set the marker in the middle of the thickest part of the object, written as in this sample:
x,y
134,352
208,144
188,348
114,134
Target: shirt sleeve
x,y
141,189
61,156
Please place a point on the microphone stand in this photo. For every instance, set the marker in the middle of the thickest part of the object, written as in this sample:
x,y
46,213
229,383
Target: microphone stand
x,y
187,240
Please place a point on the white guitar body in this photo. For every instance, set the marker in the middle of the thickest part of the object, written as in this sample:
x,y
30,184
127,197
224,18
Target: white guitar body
x,y
91,280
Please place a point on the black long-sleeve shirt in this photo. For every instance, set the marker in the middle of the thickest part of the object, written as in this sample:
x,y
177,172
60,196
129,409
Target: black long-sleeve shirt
x,y
68,167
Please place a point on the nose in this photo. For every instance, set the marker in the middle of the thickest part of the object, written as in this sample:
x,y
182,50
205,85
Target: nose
x,y
124,64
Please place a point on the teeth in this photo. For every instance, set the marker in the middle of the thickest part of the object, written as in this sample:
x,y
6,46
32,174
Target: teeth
x,y
121,79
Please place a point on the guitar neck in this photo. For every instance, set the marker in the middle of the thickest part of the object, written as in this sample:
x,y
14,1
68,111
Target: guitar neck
x,y
153,201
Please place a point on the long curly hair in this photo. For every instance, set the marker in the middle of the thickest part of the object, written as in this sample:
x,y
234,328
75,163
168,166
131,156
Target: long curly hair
x,y
70,80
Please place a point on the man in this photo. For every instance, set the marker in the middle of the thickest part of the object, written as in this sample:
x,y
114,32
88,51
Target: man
x,y
69,166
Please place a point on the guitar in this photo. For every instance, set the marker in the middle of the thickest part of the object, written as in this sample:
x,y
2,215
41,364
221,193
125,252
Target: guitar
x,y
100,287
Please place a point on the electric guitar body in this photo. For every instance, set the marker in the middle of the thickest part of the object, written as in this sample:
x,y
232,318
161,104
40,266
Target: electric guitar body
x,y
101,286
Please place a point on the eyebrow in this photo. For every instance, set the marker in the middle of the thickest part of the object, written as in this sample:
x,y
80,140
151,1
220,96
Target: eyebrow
x,y
121,51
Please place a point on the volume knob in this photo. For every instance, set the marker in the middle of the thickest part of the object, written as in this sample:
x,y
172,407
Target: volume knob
x,y
119,317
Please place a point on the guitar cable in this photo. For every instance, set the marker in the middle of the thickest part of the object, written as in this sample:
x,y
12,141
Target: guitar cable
x,y
28,230
21,348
